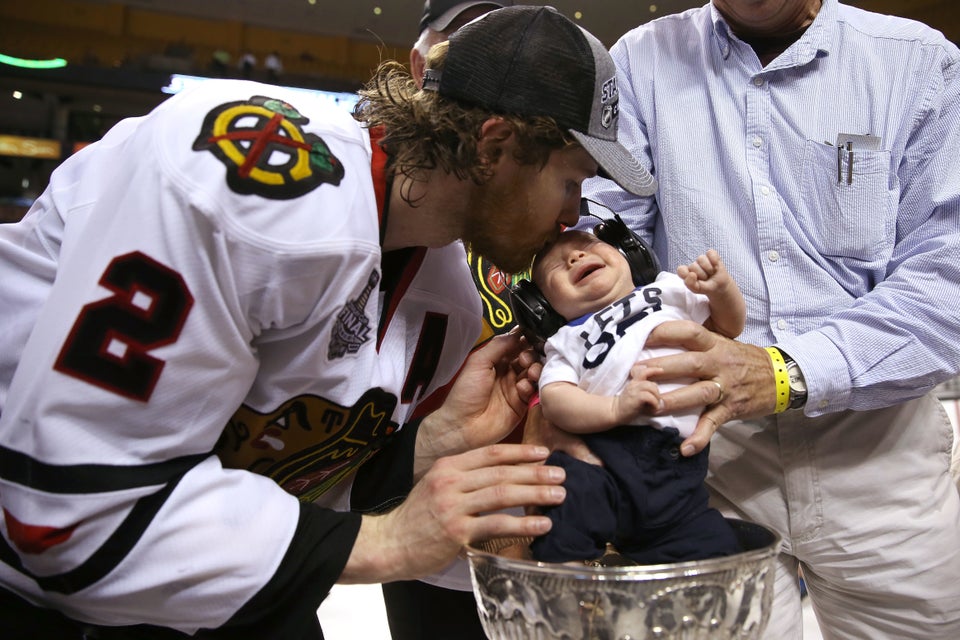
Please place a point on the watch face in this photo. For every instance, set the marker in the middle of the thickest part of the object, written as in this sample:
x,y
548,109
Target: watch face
x,y
797,383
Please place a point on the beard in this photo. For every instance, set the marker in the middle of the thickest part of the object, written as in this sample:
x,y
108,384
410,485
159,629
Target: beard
x,y
501,227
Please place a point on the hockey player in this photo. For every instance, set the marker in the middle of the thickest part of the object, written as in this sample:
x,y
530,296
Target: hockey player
x,y
219,321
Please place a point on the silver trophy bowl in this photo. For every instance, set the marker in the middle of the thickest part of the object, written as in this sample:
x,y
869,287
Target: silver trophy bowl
x,y
727,597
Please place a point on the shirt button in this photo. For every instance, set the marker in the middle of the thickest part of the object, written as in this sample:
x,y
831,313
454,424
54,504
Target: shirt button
x,y
822,404
757,141
758,81
765,190
773,256
781,324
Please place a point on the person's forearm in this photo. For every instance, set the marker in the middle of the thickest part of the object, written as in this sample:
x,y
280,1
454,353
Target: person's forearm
x,y
435,439
375,557
896,342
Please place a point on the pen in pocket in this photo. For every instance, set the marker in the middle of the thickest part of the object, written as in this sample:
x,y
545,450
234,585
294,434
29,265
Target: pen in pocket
x,y
849,162
840,149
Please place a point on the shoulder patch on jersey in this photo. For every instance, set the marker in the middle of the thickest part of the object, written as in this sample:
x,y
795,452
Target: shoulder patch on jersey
x,y
492,286
352,327
262,143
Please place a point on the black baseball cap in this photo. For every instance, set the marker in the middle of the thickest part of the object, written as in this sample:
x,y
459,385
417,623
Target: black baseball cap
x,y
533,61
439,14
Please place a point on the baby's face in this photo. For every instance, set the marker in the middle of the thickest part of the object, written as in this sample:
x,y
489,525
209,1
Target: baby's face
x,y
581,274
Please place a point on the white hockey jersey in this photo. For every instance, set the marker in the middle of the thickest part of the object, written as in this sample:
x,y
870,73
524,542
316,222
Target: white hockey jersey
x,y
207,278
597,350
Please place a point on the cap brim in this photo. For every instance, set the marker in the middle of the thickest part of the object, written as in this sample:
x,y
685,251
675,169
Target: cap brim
x,y
441,22
618,164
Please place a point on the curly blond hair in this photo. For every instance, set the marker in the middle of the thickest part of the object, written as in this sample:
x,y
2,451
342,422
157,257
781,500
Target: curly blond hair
x,y
425,131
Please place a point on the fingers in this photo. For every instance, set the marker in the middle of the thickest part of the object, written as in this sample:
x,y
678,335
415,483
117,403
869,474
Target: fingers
x,y
525,390
495,455
469,492
502,348
699,272
643,371
496,465
719,392
701,393
538,430
529,372
700,438
502,525
684,334
534,371
707,265
575,447
498,497
527,357
527,363
639,396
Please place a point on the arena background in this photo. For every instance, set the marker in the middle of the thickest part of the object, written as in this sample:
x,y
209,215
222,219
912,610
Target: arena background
x,y
120,55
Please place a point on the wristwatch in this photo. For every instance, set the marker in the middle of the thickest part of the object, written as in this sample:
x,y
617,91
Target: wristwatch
x,y
798,385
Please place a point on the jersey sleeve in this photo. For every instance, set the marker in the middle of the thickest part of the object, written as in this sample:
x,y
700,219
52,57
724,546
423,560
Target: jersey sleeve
x,y
314,560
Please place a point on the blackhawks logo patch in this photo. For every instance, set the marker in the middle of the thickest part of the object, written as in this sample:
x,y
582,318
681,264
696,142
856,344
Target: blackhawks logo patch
x,y
308,444
262,143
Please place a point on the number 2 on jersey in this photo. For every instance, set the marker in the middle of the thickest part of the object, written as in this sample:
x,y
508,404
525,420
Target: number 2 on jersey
x,y
109,343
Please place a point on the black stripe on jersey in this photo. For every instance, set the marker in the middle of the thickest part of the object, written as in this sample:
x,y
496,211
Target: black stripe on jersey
x,y
286,607
386,479
108,556
89,478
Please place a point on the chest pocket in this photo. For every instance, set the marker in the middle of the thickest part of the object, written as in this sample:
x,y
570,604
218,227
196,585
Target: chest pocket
x,y
848,215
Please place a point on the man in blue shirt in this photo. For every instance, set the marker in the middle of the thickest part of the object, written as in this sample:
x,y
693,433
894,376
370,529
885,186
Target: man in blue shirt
x,y
817,147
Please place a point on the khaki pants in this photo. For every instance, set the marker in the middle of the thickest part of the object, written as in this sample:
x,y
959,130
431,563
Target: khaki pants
x,y
866,505
955,465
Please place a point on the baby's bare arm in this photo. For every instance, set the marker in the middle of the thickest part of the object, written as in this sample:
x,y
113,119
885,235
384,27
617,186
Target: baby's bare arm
x,y
572,409
709,276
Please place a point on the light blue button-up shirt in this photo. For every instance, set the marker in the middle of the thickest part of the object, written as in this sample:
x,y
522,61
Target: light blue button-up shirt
x,y
853,271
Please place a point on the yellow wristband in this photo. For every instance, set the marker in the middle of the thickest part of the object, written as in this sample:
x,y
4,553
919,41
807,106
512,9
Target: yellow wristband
x,y
782,378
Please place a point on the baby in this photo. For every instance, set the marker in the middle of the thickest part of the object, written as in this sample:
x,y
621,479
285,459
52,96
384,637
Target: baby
x,y
647,501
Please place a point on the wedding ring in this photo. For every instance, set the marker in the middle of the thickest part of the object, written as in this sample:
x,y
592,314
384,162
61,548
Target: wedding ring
x,y
720,394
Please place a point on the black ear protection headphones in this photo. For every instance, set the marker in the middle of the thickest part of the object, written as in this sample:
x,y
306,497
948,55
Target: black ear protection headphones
x,y
538,320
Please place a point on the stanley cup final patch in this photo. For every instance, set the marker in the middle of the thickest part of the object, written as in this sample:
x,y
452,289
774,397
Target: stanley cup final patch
x,y
352,328
262,143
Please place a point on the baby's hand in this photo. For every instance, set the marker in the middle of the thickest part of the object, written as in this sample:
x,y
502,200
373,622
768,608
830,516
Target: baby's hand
x,y
707,274
640,396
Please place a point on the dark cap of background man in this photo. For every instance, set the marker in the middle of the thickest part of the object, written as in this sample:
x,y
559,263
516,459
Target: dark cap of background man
x,y
532,61
440,14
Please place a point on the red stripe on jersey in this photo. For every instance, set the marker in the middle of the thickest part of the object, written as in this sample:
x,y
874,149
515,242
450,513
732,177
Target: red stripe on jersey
x,y
35,539
399,267
378,169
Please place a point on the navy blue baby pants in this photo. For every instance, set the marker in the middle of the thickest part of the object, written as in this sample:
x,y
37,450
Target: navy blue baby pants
x,y
647,500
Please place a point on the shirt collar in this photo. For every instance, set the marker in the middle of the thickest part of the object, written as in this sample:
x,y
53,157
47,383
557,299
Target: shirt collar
x,y
818,39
